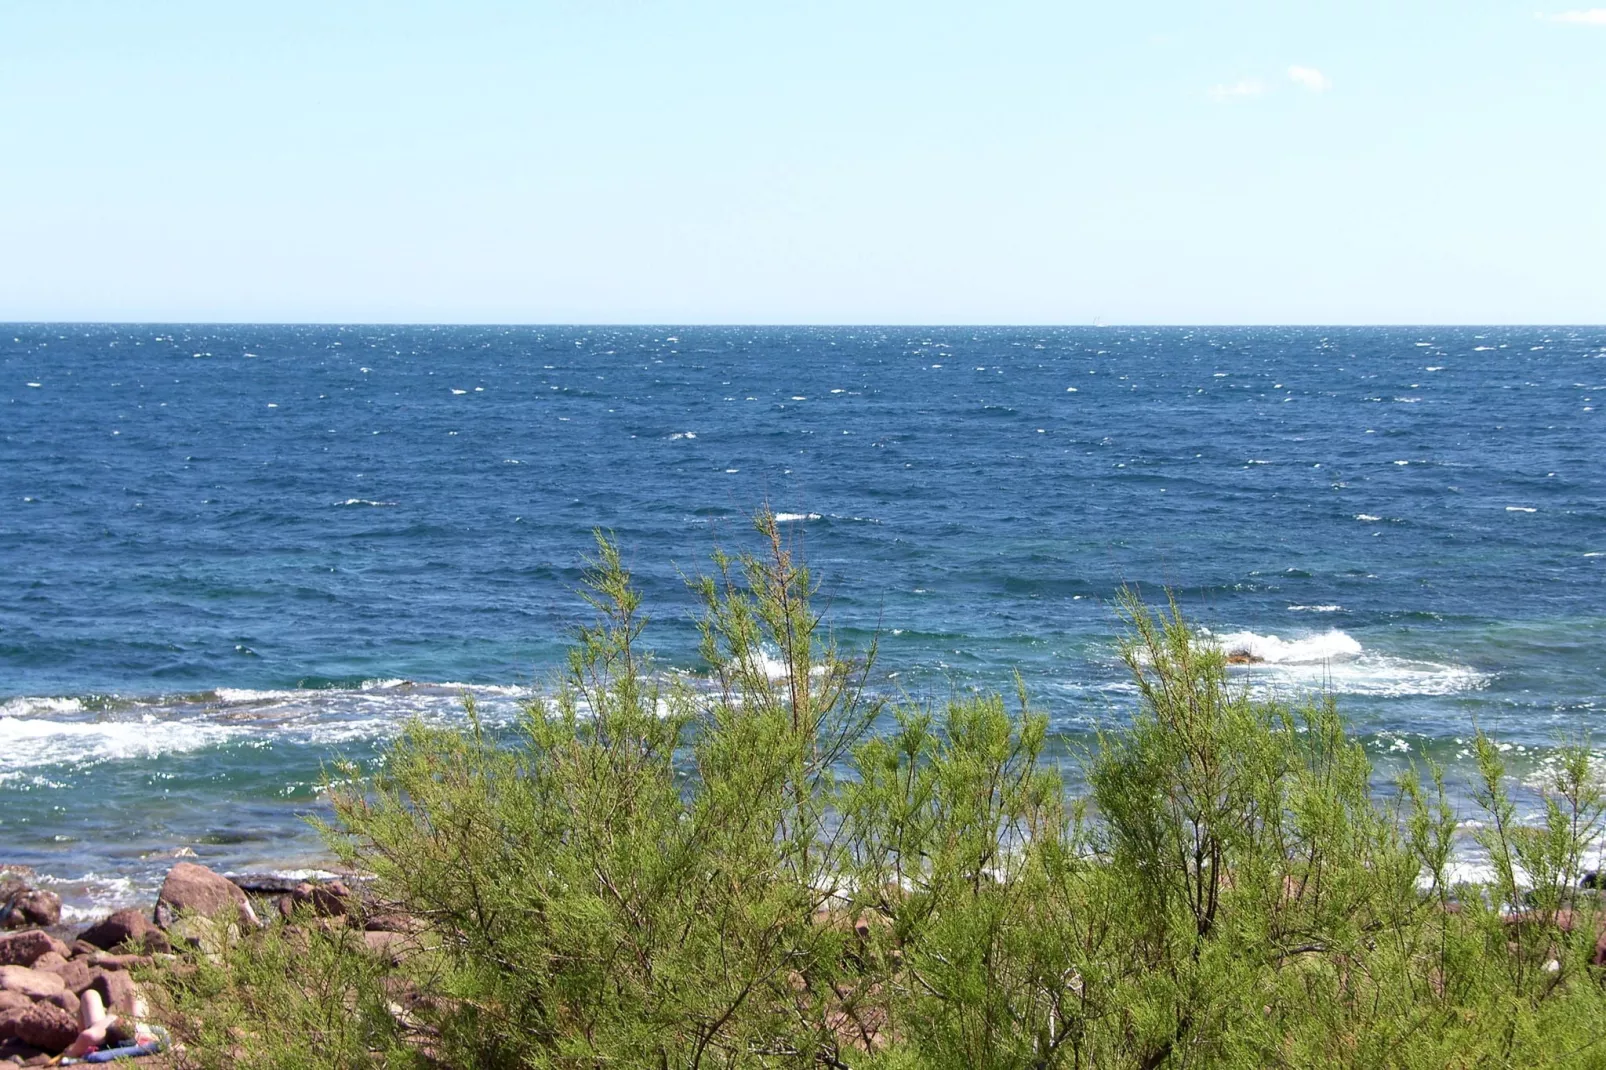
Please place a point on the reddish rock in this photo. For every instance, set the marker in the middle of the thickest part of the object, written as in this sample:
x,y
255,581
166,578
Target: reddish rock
x,y
126,927
193,888
388,946
47,1027
48,961
10,1016
8,1000
392,923
35,984
117,990
31,906
66,999
83,949
120,962
74,973
24,949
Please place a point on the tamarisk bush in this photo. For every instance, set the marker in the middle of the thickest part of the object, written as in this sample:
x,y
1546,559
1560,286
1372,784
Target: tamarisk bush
x,y
780,869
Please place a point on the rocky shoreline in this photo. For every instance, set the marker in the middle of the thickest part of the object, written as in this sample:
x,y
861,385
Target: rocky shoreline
x,y
55,977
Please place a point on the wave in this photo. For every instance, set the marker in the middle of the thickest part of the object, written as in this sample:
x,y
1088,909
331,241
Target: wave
x,y
1335,661
790,518
28,743
39,733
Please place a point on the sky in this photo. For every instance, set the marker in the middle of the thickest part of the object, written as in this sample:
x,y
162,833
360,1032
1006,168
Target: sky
x,y
603,161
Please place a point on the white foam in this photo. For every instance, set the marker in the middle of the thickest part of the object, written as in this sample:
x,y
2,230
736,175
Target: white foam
x,y
1520,509
1367,517
1334,661
365,501
790,518
1316,609
27,743
1313,650
240,695
31,706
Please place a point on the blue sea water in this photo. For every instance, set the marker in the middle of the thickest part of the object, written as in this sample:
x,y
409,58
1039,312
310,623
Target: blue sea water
x,y
227,552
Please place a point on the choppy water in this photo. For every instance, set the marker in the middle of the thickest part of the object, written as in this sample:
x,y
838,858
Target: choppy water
x,y
226,552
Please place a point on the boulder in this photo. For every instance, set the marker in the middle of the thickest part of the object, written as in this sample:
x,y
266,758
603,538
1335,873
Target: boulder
x,y
117,990
66,999
47,1027
35,984
10,1016
74,973
30,906
9,1000
126,927
196,889
25,948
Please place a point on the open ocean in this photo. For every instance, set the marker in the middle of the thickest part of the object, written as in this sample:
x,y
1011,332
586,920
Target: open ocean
x,y
228,552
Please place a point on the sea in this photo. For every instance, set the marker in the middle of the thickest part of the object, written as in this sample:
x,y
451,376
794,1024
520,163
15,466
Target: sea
x,y
232,554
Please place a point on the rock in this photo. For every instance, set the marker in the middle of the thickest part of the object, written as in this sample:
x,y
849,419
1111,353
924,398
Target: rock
x,y
1243,657
265,883
82,949
392,923
330,900
120,962
66,999
388,946
126,927
74,973
29,906
8,1000
25,948
117,990
10,1016
47,1027
35,984
194,888
48,962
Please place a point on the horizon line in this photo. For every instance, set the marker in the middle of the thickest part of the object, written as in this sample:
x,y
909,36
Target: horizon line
x,y
697,324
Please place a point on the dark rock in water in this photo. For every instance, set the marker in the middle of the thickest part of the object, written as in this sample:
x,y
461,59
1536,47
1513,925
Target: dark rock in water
x,y
22,906
47,1027
125,928
26,948
190,887
265,883
1243,657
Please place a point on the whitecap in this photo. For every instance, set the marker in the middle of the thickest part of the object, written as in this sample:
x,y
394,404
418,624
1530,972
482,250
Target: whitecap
x,y
31,705
1316,609
790,518
28,743
368,501
1335,661
1520,509
1367,517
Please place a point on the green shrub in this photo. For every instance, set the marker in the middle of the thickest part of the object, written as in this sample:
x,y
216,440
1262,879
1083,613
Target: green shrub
x,y
746,875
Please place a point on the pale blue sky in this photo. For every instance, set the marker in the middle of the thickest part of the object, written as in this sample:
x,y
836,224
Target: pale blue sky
x,y
1001,162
